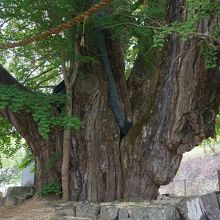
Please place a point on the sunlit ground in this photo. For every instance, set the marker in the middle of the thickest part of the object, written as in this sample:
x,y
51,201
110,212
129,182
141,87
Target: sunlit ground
x,y
197,173
12,163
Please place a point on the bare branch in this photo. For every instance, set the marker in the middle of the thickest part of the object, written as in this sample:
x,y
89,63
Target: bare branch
x,y
4,22
45,80
7,79
41,74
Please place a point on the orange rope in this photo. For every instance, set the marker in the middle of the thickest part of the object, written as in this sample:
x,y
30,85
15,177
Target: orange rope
x,y
57,29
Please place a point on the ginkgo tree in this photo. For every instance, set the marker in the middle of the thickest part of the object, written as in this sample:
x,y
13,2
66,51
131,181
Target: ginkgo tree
x,y
137,122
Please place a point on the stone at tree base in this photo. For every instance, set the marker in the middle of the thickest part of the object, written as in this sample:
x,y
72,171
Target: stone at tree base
x,y
61,204
66,209
165,212
10,201
108,212
65,212
191,208
78,218
139,212
1,201
211,206
16,195
69,217
201,208
87,210
218,197
20,192
123,213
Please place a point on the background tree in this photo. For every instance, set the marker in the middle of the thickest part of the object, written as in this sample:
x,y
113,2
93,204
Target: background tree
x,y
169,95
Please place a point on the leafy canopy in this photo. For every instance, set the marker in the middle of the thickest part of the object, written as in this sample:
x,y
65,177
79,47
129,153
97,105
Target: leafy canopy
x,y
40,105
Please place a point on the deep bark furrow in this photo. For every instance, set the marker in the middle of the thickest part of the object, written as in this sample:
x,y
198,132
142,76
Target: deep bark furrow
x,y
176,125
172,106
113,98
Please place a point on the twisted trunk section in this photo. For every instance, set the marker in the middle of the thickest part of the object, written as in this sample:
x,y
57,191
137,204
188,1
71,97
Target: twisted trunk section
x,y
173,109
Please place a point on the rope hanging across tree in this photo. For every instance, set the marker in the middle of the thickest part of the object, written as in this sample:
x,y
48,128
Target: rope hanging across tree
x,y
58,29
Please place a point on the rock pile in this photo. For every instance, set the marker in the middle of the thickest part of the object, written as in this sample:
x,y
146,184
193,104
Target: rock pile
x,y
16,195
204,207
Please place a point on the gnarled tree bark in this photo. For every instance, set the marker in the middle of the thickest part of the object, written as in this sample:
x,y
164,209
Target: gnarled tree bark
x,y
172,108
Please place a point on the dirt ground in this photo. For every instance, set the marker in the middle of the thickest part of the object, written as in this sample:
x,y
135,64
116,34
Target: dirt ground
x,y
32,209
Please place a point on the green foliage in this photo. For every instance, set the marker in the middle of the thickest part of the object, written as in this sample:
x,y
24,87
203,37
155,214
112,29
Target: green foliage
x,y
40,105
27,160
7,132
160,36
209,144
38,66
197,11
9,172
212,143
131,55
209,54
9,176
217,126
11,149
51,188
202,8
10,140
140,29
132,24
67,122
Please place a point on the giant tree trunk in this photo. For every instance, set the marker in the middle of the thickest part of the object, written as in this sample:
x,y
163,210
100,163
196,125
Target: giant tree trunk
x,y
172,107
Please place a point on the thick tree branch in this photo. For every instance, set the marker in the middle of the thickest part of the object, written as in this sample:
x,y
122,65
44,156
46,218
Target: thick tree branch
x,y
176,110
22,121
7,79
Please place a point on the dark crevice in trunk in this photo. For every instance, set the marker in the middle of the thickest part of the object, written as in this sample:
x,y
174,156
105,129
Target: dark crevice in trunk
x,y
113,99
122,173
